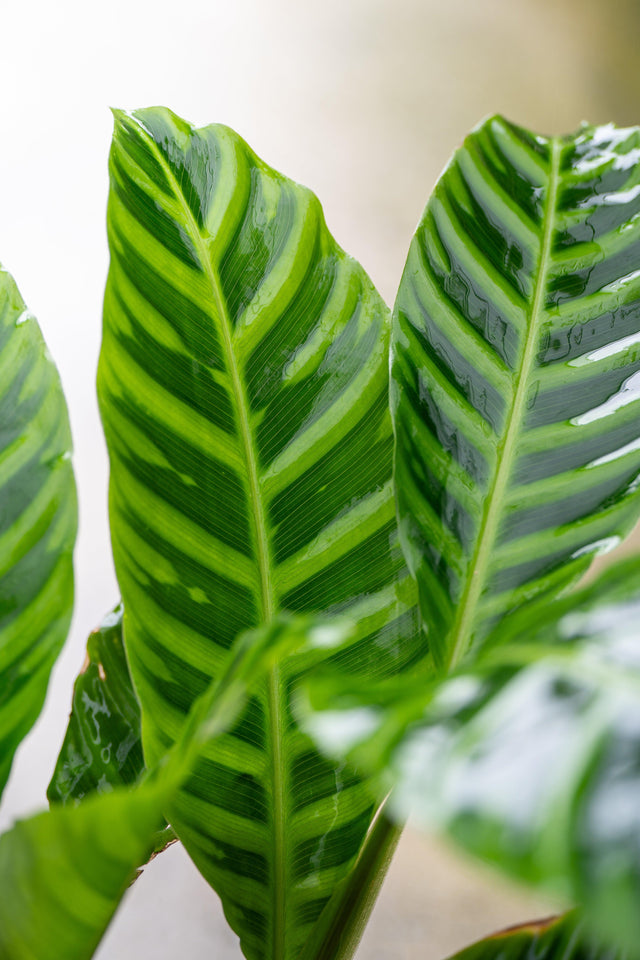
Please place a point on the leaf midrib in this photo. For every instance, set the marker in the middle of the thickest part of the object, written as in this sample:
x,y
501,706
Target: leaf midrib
x,y
268,601
462,629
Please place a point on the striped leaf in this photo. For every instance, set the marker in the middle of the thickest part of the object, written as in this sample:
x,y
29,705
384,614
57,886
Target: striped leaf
x,y
37,520
102,747
557,938
516,374
64,872
529,758
243,388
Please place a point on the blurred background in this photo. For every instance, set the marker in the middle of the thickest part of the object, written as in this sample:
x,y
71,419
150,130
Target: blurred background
x,y
362,100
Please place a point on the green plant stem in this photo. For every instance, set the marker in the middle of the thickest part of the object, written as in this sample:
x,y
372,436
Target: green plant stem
x,y
342,923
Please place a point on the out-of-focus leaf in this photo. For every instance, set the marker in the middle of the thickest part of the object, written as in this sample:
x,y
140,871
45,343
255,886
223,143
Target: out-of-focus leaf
x,y
243,388
530,758
63,872
37,520
102,747
557,938
516,374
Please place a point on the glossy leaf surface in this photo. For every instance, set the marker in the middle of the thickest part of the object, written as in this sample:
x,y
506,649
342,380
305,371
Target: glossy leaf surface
x,y
102,747
64,872
529,759
558,938
37,520
516,374
243,389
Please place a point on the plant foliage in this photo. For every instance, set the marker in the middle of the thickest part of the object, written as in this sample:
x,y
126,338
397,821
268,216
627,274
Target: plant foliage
x,y
315,644
243,388
37,521
516,374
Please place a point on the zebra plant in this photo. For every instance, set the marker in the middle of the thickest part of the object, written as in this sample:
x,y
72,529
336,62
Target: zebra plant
x,y
304,654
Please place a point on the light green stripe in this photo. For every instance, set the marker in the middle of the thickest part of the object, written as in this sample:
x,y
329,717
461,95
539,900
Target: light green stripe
x,y
282,282
168,411
452,325
502,207
519,153
316,439
477,267
182,533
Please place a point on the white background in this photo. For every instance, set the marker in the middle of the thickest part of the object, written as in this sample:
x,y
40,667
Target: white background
x,y
362,100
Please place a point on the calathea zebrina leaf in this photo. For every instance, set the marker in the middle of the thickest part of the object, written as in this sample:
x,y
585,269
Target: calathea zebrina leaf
x,y
516,373
529,757
64,872
243,389
37,520
102,747
555,938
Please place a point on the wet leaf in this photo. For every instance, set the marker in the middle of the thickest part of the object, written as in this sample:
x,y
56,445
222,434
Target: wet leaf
x,y
516,375
529,758
102,747
556,938
243,388
63,872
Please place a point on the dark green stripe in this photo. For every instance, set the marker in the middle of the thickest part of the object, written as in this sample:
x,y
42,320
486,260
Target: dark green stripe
x,y
583,502
583,394
250,256
229,607
228,523
350,353
355,467
561,344
463,376
592,444
230,790
335,847
563,287
189,321
514,181
418,397
494,241
152,217
363,570
175,373
139,151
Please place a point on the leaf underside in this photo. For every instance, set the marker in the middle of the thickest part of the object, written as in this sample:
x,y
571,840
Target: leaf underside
x,y
243,389
102,748
37,520
516,374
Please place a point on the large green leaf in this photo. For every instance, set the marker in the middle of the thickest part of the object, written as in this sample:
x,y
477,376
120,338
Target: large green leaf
x,y
516,374
557,938
243,388
102,747
37,521
530,758
63,872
